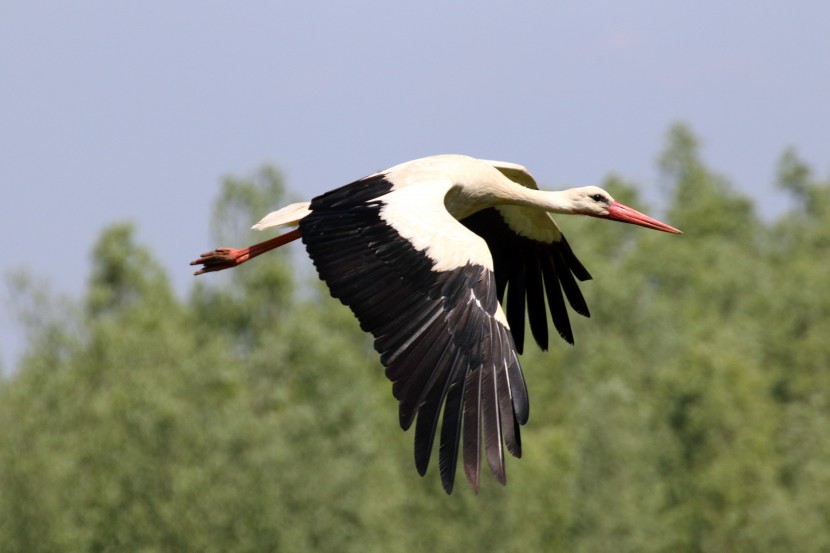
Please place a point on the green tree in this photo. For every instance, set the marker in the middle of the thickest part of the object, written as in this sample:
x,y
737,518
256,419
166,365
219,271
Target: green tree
x,y
253,415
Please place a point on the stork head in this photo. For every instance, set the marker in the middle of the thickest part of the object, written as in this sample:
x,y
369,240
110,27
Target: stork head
x,y
596,202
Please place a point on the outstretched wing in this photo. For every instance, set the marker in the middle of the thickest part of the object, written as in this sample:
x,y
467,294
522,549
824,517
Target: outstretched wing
x,y
431,305
531,260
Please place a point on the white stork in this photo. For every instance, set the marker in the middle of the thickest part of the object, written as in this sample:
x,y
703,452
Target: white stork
x,y
423,254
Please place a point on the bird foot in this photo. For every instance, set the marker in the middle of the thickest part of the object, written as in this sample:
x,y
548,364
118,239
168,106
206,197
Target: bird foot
x,y
221,258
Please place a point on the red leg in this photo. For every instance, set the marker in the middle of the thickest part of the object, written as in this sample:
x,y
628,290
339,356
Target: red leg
x,y
225,258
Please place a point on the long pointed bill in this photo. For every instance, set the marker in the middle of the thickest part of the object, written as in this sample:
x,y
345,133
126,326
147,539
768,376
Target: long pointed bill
x,y
623,213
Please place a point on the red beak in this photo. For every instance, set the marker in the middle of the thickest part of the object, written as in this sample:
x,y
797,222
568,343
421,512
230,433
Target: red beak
x,y
623,213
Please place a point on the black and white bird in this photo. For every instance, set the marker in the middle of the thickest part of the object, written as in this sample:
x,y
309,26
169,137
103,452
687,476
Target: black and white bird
x,y
425,254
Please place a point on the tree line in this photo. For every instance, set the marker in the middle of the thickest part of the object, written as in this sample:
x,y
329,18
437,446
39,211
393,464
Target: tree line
x,y
252,415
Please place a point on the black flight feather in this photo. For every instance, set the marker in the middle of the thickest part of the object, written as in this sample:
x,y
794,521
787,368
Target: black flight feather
x,y
436,331
518,262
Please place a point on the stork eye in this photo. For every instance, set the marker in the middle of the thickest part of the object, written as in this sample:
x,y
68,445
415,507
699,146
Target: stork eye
x,y
598,198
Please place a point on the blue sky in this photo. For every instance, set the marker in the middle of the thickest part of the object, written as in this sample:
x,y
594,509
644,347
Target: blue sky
x,y
114,111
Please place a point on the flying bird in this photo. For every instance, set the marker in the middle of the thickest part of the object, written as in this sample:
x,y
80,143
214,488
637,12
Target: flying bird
x,y
425,255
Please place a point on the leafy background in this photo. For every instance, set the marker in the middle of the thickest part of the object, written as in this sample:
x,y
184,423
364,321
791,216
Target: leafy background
x,y
693,414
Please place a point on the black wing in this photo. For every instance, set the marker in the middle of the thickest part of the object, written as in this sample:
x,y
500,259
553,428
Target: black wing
x,y
436,331
528,269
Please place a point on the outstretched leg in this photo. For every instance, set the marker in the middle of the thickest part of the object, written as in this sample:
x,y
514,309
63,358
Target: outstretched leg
x,y
225,258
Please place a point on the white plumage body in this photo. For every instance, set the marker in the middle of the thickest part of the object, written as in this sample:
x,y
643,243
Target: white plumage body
x,y
424,254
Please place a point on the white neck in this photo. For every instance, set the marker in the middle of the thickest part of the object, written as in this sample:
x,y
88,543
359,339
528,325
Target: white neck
x,y
551,201
492,189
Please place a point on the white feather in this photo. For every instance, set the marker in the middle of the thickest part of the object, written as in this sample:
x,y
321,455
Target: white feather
x,y
289,216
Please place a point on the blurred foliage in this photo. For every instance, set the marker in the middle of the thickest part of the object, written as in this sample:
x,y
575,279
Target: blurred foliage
x,y
692,415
